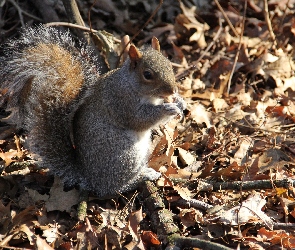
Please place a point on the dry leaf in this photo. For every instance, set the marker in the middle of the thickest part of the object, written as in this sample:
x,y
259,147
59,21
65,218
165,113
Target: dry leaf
x,y
60,200
250,210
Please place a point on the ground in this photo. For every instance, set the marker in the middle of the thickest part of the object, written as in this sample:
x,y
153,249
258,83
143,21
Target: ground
x,y
227,165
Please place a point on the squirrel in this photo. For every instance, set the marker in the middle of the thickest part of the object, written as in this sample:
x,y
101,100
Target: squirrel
x,y
90,129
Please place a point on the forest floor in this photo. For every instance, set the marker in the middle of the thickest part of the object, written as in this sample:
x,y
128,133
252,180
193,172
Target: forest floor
x,y
227,166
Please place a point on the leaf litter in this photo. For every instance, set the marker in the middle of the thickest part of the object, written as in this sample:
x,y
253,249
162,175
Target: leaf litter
x,y
237,129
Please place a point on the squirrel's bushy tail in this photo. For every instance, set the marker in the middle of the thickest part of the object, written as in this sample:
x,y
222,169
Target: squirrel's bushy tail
x,y
46,76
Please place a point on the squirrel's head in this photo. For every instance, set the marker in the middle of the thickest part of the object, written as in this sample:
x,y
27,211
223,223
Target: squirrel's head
x,y
155,73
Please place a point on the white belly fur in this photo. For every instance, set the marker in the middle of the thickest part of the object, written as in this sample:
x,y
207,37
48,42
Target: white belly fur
x,y
143,143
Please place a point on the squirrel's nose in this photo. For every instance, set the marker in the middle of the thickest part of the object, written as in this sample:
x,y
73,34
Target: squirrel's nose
x,y
171,90
168,89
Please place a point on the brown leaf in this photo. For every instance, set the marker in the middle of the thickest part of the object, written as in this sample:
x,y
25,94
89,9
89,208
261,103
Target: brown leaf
x,y
11,156
189,217
150,239
250,210
184,192
59,199
134,219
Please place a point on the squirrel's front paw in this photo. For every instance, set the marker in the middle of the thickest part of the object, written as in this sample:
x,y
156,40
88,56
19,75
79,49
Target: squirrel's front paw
x,y
172,109
178,100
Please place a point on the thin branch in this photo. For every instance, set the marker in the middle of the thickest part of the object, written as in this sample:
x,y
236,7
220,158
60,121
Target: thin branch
x,y
73,12
226,18
284,226
187,242
246,185
239,48
268,22
193,203
72,25
75,17
163,224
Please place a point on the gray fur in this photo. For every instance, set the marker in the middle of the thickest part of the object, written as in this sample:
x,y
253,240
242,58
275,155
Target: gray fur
x,y
109,122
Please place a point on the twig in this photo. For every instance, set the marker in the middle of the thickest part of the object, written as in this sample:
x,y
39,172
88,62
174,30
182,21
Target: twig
x,y
246,185
75,17
193,203
238,50
161,218
186,242
284,226
72,25
73,12
163,225
261,129
226,18
267,20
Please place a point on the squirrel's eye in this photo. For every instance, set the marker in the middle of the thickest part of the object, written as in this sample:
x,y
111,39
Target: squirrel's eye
x,y
148,75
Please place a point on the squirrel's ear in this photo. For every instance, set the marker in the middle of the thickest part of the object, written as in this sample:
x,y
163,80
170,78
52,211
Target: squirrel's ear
x,y
125,45
155,44
134,55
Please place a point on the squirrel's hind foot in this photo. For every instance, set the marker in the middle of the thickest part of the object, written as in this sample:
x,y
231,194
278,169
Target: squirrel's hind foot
x,y
149,174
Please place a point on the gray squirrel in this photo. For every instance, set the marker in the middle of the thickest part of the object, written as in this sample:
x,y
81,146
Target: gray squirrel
x,y
91,130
